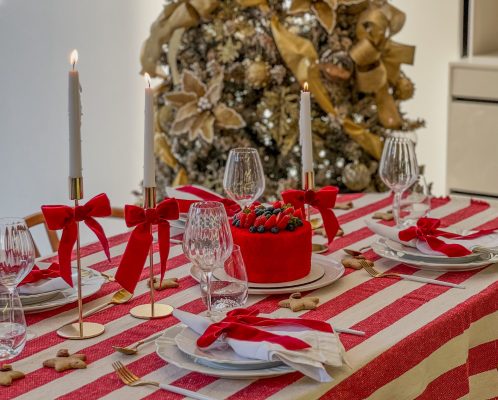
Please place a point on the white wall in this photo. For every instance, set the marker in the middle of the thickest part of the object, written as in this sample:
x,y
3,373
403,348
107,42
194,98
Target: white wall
x,y
36,37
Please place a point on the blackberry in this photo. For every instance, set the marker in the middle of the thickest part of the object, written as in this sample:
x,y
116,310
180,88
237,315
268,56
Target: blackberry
x,y
259,212
268,214
290,227
261,229
252,229
274,230
269,209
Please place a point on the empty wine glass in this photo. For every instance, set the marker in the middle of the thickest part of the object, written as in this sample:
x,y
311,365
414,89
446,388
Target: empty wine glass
x,y
416,202
207,240
17,257
398,168
229,288
244,179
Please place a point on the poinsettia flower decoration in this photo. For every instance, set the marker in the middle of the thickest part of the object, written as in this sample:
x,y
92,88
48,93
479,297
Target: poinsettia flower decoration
x,y
325,10
199,108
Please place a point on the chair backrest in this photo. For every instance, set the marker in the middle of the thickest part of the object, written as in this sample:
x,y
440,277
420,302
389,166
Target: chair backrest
x,y
38,218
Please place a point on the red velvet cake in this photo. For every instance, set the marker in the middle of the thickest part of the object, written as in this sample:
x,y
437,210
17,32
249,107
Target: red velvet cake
x,y
275,243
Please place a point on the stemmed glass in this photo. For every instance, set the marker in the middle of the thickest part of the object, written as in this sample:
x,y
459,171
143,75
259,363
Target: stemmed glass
x,y
207,240
244,179
398,168
17,257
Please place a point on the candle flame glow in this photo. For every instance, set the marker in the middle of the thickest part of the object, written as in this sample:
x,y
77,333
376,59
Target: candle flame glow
x,y
147,78
305,86
74,57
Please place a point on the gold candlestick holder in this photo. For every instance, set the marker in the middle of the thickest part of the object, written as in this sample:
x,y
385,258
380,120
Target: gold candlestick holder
x,y
309,184
151,310
81,329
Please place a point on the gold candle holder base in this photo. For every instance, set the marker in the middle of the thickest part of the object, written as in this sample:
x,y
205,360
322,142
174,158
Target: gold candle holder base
x,y
151,311
73,332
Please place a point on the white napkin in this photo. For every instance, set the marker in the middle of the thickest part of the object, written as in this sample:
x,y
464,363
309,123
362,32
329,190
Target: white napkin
x,y
326,348
45,285
392,232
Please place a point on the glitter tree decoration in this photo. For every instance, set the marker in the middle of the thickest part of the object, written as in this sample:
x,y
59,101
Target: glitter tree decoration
x,y
232,71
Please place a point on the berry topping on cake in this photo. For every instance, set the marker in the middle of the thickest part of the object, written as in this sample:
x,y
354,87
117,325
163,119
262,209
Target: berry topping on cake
x,y
274,218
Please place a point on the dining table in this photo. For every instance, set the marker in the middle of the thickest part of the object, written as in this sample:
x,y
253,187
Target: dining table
x,y
421,340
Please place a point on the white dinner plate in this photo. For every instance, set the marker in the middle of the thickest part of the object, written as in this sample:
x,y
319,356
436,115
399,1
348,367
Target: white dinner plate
x,y
169,352
383,250
92,282
27,299
186,341
316,272
413,253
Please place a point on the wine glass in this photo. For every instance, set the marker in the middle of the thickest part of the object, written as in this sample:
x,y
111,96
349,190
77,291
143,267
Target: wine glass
x,y
398,168
229,289
17,257
244,179
207,240
416,202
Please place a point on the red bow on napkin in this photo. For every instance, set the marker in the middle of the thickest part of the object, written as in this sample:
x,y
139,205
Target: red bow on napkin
x,y
140,241
65,218
231,207
427,231
38,274
323,200
242,324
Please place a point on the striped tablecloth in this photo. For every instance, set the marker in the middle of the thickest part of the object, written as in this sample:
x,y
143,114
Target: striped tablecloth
x,y
422,341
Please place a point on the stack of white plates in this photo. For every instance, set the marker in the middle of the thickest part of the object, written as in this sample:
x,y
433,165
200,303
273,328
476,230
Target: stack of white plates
x,y
178,346
408,255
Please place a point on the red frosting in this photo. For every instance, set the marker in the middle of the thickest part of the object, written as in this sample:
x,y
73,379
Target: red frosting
x,y
273,258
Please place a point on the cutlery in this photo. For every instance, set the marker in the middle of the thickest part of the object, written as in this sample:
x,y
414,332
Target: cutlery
x,y
376,274
120,297
350,331
131,350
355,253
130,379
109,277
316,223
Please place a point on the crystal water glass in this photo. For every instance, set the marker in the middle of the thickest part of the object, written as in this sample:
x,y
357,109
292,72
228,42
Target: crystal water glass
x,y
207,240
398,168
416,202
229,288
17,257
244,180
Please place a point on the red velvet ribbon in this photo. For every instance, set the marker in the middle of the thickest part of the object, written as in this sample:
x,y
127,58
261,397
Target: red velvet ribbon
x,y
323,200
64,217
243,324
231,207
137,249
37,274
427,231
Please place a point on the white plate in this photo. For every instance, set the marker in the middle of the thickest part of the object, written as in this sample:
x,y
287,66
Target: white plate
x,y
383,250
333,271
413,253
27,299
316,272
225,358
169,352
92,282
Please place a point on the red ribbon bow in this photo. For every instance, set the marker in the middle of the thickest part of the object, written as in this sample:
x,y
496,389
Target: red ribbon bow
x,y
243,324
65,218
231,207
140,241
427,231
323,200
37,274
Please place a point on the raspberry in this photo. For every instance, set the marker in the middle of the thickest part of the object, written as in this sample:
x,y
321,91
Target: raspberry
x,y
271,222
283,221
260,221
299,214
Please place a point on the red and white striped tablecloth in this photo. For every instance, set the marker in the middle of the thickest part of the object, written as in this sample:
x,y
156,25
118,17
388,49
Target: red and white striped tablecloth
x,y
422,341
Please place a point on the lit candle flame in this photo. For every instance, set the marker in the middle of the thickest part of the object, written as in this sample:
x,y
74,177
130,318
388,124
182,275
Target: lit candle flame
x,y
147,78
74,57
305,86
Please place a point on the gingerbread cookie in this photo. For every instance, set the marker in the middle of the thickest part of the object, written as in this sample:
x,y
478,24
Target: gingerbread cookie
x,y
7,375
297,303
348,205
385,216
64,361
169,283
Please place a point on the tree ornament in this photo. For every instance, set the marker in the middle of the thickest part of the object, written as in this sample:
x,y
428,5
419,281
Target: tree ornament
x,y
356,176
257,74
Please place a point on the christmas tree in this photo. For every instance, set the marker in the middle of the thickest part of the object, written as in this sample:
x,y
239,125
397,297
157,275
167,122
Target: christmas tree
x,y
232,72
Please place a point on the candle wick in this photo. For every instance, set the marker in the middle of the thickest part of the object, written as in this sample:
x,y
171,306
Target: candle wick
x,y
73,65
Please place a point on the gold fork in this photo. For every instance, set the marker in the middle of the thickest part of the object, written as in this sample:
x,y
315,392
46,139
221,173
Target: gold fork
x,y
130,379
376,274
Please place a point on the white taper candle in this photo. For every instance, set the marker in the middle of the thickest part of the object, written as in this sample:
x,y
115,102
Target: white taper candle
x,y
74,111
149,160
305,136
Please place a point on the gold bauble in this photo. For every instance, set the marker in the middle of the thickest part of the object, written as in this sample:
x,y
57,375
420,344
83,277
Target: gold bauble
x,y
257,74
356,176
404,89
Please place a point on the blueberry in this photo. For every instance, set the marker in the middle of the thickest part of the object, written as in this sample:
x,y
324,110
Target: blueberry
x,y
259,212
268,214
277,211
261,229
252,229
269,209
290,227
274,230
234,222
237,223
299,222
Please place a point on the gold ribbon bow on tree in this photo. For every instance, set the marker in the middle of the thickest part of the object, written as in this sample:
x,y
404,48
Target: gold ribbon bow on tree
x,y
168,28
378,58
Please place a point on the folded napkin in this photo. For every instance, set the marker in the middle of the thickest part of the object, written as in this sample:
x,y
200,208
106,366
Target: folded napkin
x,y
45,285
189,194
305,345
429,239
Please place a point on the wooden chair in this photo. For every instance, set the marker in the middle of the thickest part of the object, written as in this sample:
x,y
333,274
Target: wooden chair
x,y
38,218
